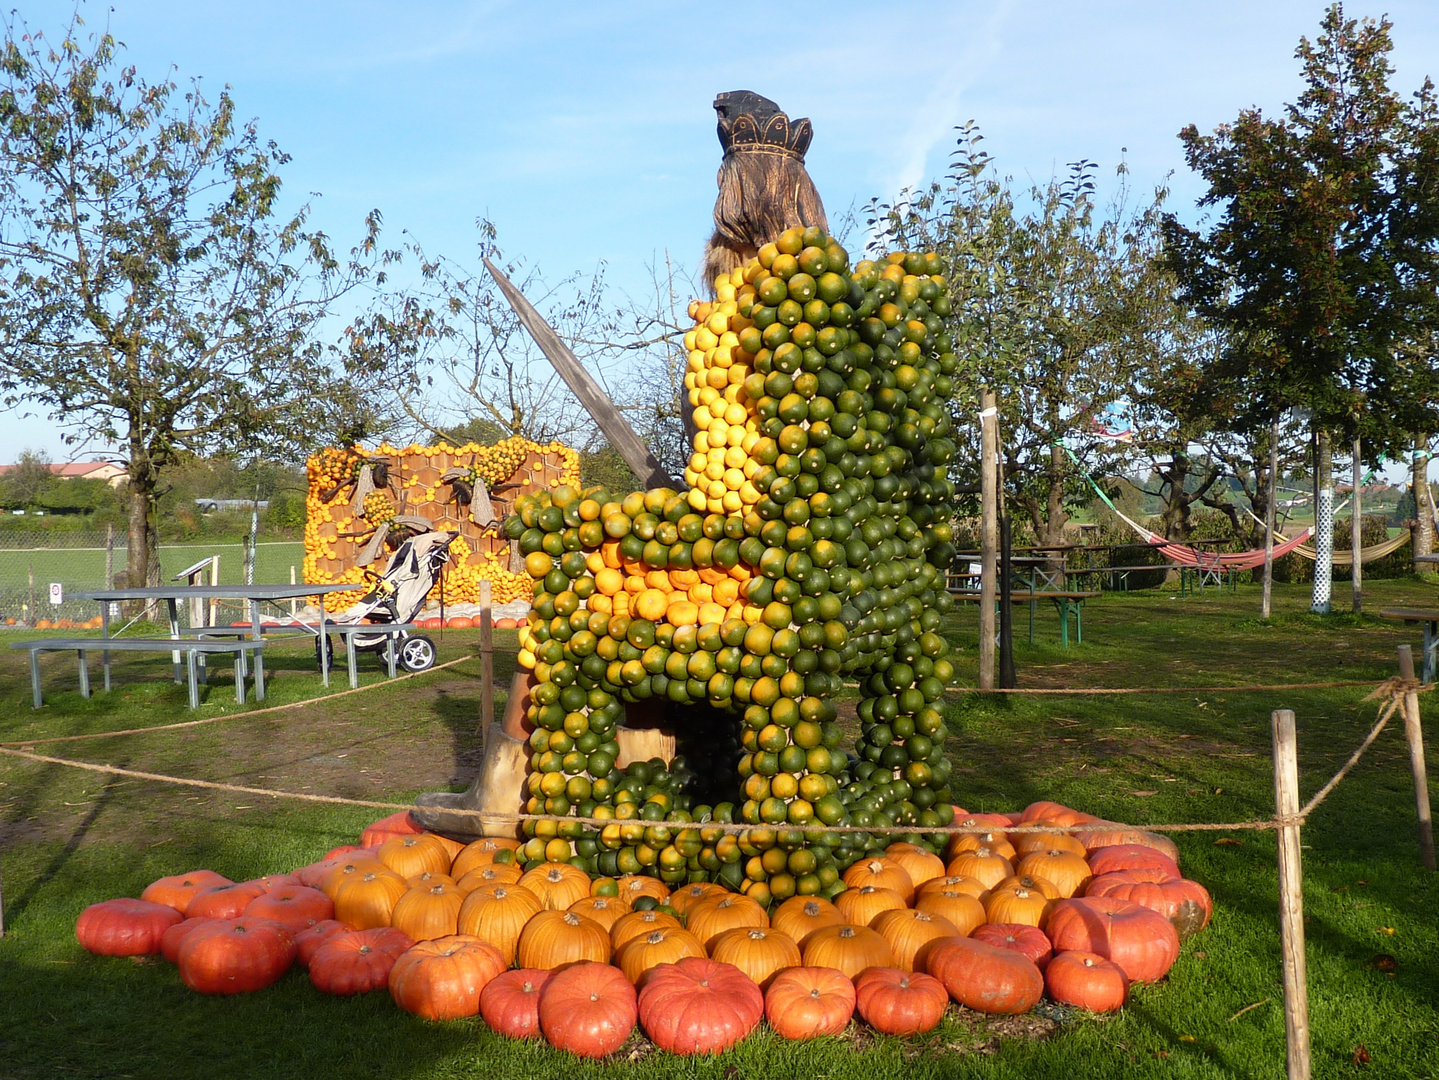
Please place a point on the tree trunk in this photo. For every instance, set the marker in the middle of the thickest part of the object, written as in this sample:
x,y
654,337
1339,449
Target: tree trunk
x,y
989,534
1356,528
1323,524
1055,515
1423,542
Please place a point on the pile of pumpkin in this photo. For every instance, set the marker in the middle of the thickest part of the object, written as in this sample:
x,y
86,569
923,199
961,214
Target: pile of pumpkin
x,y
1079,914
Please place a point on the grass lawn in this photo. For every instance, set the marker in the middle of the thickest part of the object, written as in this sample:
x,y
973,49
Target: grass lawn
x,y
68,839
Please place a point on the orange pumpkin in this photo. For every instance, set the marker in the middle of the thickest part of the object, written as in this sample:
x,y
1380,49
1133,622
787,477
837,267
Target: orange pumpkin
x,y
954,883
1068,871
849,949
996,841
1058,813
481,853
411,855
558,885
642,954
983,865
1032,882
860,906
984,977
497,913
366,901
806,1002
605,910
964,911
1028,843
981,823
883,873
442,979
1086,980
633,886
355,866
553,940
684,899
919,862
429,912
910,934
710,918
492,874
637,923
801,916
760,952
1017,904
1109,833
898,1002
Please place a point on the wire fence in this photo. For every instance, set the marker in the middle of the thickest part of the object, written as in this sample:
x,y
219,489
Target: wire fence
x,y
31,562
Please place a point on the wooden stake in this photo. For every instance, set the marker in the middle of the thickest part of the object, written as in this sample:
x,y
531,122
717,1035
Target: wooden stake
x,y
1291,897
1414,733
487,667
989,533
1272,494
1356,530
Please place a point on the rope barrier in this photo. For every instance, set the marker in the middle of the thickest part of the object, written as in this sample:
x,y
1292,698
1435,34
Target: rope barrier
x,y
1391,689
235,715
1262,688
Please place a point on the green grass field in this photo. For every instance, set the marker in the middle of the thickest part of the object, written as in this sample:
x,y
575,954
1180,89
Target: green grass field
x,y
68,839
84,569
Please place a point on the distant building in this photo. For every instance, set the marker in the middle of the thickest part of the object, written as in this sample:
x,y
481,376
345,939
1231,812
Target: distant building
x,y
107,471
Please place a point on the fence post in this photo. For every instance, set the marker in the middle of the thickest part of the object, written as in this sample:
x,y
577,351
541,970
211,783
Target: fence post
x,y
1414,734
487,667
1291,897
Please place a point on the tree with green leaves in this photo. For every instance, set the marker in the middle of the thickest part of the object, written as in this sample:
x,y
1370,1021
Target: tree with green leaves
x,y
153,298
1324,258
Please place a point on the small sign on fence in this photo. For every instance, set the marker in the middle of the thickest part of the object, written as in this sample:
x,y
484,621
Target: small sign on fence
x,y
57,593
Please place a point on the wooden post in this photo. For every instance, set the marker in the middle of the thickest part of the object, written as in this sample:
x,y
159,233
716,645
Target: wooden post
x,y
1291,897
1423,542
1414,734
1356,529
989,537
293,601
487,667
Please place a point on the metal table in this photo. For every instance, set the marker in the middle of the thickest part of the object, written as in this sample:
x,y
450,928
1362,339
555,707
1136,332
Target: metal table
x,y
253,595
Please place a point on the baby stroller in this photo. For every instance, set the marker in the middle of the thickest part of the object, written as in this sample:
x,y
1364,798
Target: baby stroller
x,y
397,596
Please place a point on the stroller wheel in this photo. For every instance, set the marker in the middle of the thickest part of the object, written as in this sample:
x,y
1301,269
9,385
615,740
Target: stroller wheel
x,y
324,652
417,653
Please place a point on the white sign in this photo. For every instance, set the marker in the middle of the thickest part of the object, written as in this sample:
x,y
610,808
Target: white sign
x,y
57,593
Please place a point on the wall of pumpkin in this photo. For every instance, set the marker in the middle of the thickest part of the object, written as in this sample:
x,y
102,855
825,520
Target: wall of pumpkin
x,y
336,530
1076,913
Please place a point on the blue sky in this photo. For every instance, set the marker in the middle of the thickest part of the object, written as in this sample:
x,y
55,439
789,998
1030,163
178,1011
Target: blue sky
x,y
585,130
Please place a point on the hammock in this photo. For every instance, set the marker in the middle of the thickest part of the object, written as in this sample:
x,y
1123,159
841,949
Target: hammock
x,y
1345,557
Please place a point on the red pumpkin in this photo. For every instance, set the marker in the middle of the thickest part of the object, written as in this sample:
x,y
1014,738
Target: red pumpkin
x,y
357,962
899,1002
308,942
313,874
235,956
1183,902
442,978
806,1002
124,927
1100,834
1029,941
223,901
588,1009
1086,980
271,882
699,1006
174,937
397,824
510,1002
984,977
178,889
1057,813
1107,860
460,622
1142,942
295,907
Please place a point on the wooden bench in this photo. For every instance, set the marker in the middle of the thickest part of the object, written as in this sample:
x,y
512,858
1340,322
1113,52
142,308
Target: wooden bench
x,y
106,645
1429,617
1065,602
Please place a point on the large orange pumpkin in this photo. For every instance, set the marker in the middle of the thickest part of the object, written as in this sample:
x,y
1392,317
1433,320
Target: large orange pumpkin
x,y
1067,871
174,937
552,940
911,934
919,863
295,907
699,1006
558,885
427,913
480,853
806,1002
961,909
710,918
308,942
605,910
497,914
898,1002
983,865
861,906
642,954
684,899
1183,902
490,874
235,956
1030,941
981,824
986,978
223,901
588,1009
441,979
995,840
411,855
760,952
1017,904
639,922
1108,833
883,873
366,901
177,890
1106,860
1058,813
849,949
